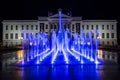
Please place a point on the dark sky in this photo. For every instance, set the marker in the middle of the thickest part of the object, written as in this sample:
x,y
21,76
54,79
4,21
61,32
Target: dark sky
x,y
88,9
30,9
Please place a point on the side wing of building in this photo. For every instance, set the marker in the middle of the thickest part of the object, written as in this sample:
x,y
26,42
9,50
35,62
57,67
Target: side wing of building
x,y
13,29
107,30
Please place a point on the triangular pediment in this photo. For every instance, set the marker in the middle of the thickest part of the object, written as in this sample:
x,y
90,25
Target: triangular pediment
x,y
57,16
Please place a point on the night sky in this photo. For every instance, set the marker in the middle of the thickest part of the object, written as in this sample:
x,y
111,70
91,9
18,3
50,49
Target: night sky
x,y
31,9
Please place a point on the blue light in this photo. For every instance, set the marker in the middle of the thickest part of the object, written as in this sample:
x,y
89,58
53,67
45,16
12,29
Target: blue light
x,y
37,62
96,62
65,56
82,62
54,57
81,46
22,61
27,59
91,59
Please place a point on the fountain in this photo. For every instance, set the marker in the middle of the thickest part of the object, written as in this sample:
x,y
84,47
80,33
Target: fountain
x,y
60,47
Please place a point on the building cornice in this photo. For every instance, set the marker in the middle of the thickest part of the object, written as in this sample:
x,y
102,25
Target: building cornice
x,y
7,21
99,21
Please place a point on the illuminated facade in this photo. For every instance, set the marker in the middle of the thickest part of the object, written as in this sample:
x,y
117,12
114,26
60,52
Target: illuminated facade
x,y
12,29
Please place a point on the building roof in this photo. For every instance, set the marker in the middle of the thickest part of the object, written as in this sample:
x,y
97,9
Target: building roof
x,y
19,21
99,20
57,16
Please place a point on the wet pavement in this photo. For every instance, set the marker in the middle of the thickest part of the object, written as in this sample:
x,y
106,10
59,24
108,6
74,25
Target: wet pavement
x,y
107,71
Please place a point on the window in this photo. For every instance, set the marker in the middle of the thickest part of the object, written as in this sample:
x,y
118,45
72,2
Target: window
x,y
6,43
36,27
92,27
11,36
103,42
68,27
31,27
87,27
54,26
107,35
16,43
102,27
6,36
112,42
103,36
22,35
46,26
11,27
107,26
96,27
22,27
6,27
16,36
73,27
36,34
112,35
27,35
77,24
97,35
16,27
50,26
64,26
27,27
42,26
108,56
92,35
112,27
46,32
77,27
82,26
107,42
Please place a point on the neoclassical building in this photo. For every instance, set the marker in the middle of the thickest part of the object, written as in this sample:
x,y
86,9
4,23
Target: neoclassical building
x,y
12,29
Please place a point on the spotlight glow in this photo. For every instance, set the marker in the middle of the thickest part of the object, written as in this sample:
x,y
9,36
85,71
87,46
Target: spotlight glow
x,y
96,62
54,57
65,56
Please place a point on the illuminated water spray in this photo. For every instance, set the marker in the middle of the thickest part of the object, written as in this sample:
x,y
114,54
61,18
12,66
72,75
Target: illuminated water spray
x,y
60,47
